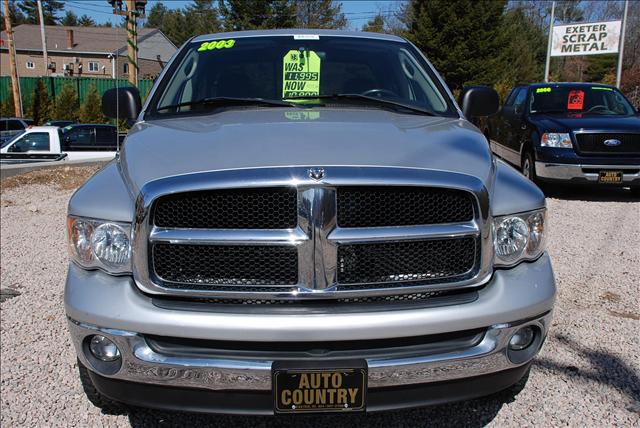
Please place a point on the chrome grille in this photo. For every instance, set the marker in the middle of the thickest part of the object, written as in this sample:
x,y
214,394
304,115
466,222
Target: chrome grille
x,y
412,262
321,254
229,209
402,206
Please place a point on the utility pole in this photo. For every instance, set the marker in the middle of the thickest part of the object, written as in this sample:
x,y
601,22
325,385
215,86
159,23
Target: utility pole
x,y
44,39
15,83
621,53
546,67
135,9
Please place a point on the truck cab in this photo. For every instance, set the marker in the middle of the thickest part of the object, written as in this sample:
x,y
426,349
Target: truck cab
x,y
52,144
573,133
304,221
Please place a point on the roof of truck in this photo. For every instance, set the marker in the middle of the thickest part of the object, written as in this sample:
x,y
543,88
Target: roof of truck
x,y
302,31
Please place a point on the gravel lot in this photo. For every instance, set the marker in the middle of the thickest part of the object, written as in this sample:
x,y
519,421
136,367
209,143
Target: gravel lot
x,y
588,373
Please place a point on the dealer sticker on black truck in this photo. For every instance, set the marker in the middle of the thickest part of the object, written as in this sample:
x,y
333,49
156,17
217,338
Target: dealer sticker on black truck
x,y
319,390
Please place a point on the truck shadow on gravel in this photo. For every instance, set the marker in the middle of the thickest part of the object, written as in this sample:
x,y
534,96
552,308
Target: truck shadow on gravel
x,y
588,193
472,413
605,369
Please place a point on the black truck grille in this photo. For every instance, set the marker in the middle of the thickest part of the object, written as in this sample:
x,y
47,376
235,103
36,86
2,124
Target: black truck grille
x,y
593,144
203,266
411,262
273,208
402,206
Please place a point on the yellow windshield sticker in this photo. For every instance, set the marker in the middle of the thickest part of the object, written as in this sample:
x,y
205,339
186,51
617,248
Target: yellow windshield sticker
x,y
542,90
300,74
601,88
216,44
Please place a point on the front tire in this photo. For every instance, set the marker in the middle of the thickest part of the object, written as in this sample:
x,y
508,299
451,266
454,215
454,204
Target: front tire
x,y
635,191
95,397
528,166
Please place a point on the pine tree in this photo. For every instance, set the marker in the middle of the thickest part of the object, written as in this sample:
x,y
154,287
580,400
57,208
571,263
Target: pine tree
x,y
67,104
375,25
202,17
50,10
460,38
86,21
91,110
70,19
320,14
257,14
7,109
15,14
41,108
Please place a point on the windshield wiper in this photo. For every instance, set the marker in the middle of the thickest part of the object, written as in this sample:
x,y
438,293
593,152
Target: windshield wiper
x,y
366,99
229,101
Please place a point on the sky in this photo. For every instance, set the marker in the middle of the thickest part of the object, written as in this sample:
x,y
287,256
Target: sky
x,y
357,11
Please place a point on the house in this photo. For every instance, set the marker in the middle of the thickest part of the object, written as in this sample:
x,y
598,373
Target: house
x,y
84,51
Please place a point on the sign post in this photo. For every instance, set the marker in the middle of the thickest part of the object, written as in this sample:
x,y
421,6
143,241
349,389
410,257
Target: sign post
x,y
546,67
624,28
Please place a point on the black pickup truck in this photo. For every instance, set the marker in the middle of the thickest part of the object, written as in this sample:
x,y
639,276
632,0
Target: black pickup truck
x,y
578,133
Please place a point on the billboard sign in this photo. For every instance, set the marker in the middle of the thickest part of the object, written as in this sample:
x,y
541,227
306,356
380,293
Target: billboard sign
x,y
591,38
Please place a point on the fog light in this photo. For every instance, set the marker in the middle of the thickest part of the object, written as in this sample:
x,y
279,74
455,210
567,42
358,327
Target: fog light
x,y
522,339
104,349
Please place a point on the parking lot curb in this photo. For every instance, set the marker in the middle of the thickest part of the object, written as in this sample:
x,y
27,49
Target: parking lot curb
x,y
11,170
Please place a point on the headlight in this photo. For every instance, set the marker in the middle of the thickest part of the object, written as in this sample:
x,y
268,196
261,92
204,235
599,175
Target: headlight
x,y
553,139
519,237
100,244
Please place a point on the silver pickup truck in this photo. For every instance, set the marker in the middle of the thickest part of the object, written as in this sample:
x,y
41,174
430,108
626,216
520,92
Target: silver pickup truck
x,y
304,221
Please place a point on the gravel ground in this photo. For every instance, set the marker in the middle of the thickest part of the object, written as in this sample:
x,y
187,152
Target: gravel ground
x,y
588,373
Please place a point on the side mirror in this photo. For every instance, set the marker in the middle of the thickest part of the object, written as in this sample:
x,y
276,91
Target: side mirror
x,y
479,101
122,103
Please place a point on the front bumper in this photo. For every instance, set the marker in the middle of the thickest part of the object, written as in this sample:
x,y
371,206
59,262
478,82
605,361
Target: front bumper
x,y
585,173
114,307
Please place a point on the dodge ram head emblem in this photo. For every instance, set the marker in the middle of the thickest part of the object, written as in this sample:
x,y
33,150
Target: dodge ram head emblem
x,y
612,143
316,173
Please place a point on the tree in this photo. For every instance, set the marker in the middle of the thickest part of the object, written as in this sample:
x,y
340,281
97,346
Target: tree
x,y
7,108
156,15
375,25
460,38
67,104
86,21
91,110
70,19
50,9
320,14
257,14
202,17
16,16
41,107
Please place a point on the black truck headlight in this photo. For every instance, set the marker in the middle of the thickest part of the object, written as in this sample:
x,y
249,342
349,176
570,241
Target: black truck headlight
x,y
100,244
519,237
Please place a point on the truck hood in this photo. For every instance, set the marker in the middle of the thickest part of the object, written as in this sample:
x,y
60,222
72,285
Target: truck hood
x,y
560,123
281,137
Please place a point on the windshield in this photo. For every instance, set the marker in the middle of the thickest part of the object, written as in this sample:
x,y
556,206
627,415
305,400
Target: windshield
x,y
295,69
11,139
579,100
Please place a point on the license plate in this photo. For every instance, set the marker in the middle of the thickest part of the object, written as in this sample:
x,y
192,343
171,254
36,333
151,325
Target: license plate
x,y
610,177
322,390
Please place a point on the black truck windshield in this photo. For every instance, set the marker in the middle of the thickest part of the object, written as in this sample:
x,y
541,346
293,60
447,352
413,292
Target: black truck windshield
x,y
299,70
579,100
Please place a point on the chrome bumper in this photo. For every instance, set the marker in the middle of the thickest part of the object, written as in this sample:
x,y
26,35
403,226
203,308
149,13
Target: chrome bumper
x,y
143,365
562,171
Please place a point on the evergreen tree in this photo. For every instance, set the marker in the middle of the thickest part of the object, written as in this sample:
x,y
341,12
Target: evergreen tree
x,y
67,104
86,21
320,14
15,14
257,14
41,107
91,110
156,15
461,38
70,19
202,17
7,109
50,10
375,25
